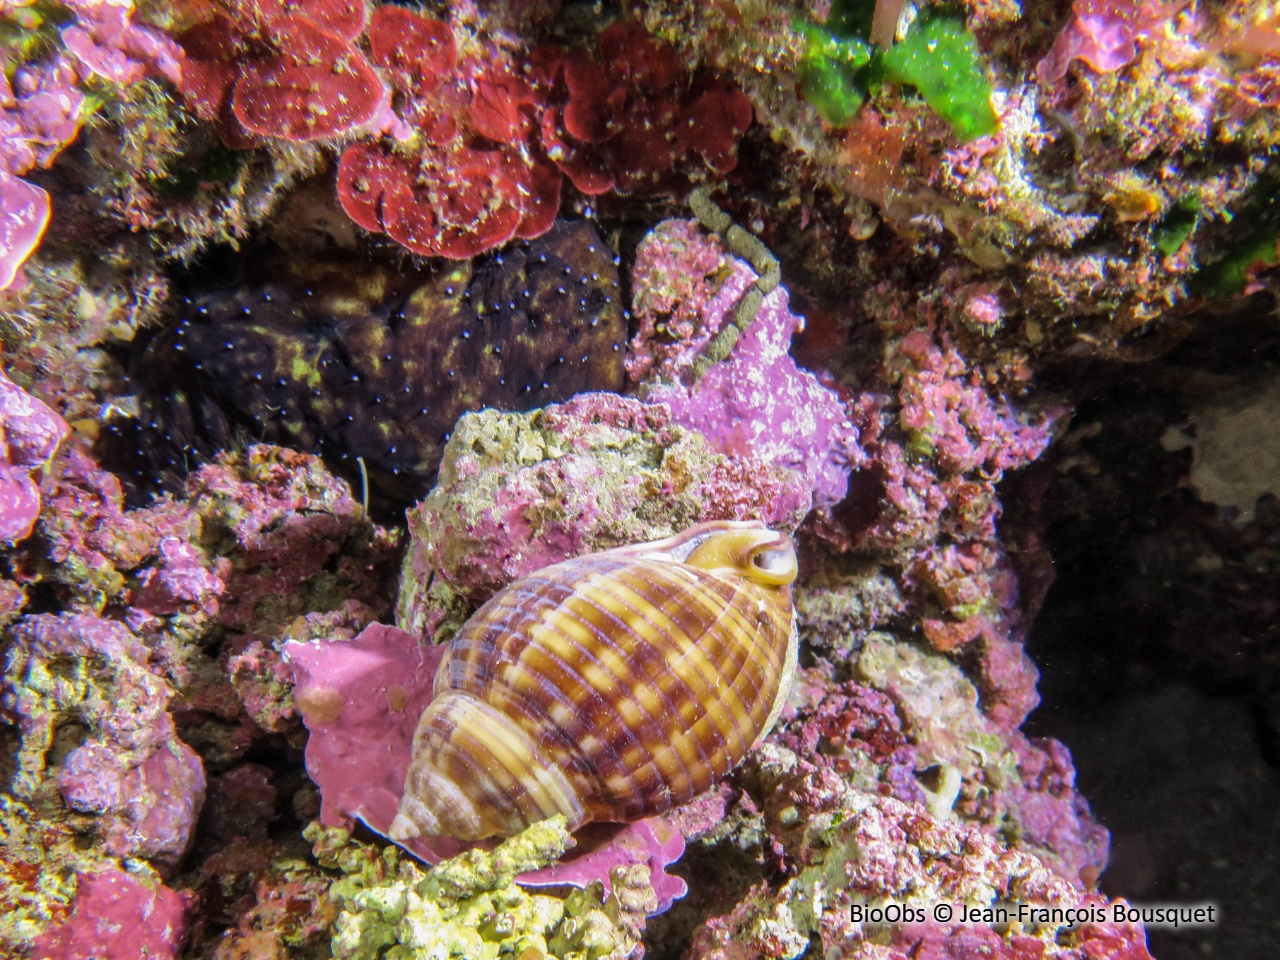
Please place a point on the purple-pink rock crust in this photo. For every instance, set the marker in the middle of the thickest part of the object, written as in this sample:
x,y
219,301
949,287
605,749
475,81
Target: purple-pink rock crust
x,y
756,403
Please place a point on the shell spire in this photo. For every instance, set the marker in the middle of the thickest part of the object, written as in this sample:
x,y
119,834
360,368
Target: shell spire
x,y
611,686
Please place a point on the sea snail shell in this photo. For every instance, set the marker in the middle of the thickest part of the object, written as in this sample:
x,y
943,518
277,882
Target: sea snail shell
x,y
608,687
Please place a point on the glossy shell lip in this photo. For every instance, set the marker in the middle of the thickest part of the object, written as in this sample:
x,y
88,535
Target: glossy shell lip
x,y
766,556
778,564
611,686
747,549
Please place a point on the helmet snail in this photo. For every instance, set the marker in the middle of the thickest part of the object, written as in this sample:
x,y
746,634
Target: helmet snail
x,y
611,686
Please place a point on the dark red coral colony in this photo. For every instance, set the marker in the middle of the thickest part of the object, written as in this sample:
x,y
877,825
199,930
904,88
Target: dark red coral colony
x,y
290,71
458,155
464,180
628,120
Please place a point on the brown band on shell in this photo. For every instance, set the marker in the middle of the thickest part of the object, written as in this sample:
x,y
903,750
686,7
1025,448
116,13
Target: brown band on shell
x,y
477,774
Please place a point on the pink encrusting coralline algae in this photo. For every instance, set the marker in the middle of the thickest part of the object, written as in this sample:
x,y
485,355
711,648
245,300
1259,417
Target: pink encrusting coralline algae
x,y
132,770
43,107
758,401
1104,34
30,434
117,916
361,699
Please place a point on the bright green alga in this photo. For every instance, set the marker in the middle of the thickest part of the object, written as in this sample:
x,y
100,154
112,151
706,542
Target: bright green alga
x,y
831,73
938,57
1254,242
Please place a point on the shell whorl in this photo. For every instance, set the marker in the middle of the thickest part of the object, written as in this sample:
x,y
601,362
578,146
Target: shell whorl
x,y
609,687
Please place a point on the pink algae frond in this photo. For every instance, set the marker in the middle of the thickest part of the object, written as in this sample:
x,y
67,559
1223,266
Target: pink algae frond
x,y
1104,34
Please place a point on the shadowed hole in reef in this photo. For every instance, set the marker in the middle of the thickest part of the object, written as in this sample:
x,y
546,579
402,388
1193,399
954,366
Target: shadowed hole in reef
x,y
66,738
10,745
254,812
1159,640
43,597
719,876
367,363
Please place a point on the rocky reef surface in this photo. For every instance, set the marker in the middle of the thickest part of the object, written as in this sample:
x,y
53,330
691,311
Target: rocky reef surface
x,y
323,321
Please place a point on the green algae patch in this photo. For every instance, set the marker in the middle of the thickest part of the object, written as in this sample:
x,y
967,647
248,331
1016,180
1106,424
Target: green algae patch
x,y
1177,226
832,78
939,58
391,908
1255,243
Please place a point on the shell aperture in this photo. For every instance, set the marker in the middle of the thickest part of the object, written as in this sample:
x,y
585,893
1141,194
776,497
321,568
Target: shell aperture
x,y
611,686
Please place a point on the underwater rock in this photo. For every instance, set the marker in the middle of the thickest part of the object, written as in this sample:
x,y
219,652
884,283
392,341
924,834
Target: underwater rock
x,y
241,805
263,683
285,910
518,492
50,88
979,770
298,540
471,906
56,890
1076,224
92,552
853,849
938,437
181,578
857,732
39,861
757,400
939,708
146,785
1054,818
842,600
252,542
936,450
1234,437
675,284
257,541
117,916
30,434
377,368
